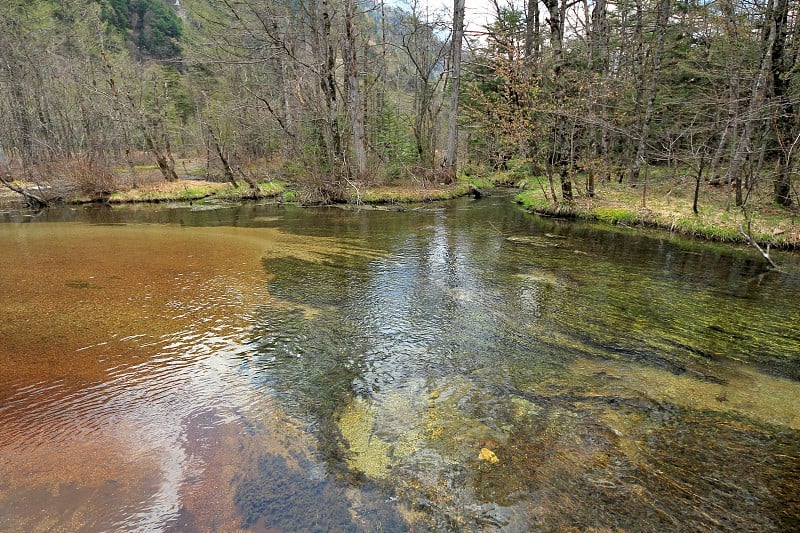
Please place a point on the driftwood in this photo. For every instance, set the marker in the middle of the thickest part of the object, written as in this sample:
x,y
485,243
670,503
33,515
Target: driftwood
x,y
749,240
34,200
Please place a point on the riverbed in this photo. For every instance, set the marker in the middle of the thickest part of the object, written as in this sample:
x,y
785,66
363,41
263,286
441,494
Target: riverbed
x,y
459,366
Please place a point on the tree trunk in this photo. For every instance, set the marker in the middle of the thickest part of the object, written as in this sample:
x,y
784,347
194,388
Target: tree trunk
x,y
532,38
598,63
754,107
556,22
226,166
784,107
598,38
698,178
354,91
328,84
733,96
560,155
644,128
33,200
730,126
287,124
566,185
449,163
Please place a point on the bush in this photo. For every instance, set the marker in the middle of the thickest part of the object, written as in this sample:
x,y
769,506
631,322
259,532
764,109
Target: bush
x,y
69,178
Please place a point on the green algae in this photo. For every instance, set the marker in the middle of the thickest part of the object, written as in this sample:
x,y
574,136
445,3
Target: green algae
x,y
562,364
743,391
371,446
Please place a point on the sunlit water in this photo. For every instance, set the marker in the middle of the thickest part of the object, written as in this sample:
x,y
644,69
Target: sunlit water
x,y
459,367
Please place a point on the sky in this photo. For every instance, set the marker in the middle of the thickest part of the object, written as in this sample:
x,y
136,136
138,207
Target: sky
x,y
476,13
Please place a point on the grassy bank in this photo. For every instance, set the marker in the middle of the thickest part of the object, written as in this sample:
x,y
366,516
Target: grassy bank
x,y
406,192
407,195
662,200
666,202
192,190
198,190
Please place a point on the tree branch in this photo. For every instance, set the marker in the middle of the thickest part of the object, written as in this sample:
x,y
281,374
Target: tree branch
x,y
749,240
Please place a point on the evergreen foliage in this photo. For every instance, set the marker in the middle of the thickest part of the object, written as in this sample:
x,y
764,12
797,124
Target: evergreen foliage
x,y
151,25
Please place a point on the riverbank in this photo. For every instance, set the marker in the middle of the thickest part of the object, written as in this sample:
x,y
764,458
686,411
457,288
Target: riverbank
x,y
279,191
662,202
151,188
667,204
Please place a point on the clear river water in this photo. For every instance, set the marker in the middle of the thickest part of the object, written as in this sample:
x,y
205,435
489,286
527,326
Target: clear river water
x,y
452,367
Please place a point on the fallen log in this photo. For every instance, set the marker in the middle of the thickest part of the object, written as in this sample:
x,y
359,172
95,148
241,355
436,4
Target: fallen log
x,y
34,200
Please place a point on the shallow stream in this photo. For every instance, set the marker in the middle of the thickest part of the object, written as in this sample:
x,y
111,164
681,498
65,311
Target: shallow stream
x,y
451,367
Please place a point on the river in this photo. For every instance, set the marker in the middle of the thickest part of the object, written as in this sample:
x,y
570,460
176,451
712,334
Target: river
x,y
453,367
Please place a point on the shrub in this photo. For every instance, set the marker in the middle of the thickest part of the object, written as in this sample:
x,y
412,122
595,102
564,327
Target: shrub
x,y
79,177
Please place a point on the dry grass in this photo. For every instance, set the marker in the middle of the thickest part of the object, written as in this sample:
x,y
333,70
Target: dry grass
x,y
182,190
406,194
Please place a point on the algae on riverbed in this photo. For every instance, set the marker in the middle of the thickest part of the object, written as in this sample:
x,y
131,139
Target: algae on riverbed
x,y
564,365
363,361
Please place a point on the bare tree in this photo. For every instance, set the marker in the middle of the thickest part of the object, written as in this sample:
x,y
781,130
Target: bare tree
x,y
656,53
449,163
754,116
426,54
354,104
786,123
559,158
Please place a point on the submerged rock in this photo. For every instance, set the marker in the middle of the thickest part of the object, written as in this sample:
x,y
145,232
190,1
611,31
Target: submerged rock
x,y
532,240
488,456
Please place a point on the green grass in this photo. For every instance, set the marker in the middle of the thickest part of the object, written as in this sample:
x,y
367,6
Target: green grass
x,y
703,228
407,196
266,189
666,202
479,182
615,215
533,200
272,188
198,172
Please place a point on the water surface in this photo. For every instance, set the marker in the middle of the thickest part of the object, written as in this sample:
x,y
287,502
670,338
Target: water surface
x,y
457,367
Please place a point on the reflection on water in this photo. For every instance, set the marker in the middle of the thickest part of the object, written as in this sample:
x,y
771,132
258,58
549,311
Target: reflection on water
x,y
460,367
120,374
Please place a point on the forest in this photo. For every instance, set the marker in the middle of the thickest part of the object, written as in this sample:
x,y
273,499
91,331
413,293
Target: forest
x,y
332,94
